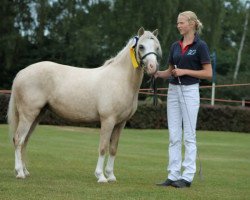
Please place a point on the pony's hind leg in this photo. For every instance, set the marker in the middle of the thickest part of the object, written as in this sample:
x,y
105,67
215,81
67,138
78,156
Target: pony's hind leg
x,y
23,151
109,170
33,126
19,139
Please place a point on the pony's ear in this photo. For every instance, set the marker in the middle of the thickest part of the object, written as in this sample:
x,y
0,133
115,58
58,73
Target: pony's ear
x,y
155,32
140,31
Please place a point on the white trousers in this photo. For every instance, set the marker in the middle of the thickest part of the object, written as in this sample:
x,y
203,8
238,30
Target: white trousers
x,y
182,117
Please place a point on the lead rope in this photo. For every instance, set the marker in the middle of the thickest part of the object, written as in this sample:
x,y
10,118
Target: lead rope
x,y
153,86
200,170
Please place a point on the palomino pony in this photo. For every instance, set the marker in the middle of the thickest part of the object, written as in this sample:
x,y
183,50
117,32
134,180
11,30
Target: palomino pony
x,y
108,94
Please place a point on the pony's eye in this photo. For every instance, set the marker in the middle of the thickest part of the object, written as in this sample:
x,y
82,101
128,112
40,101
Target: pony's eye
x,y
141,47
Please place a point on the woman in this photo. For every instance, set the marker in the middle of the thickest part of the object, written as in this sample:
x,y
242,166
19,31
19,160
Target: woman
x,y
189,61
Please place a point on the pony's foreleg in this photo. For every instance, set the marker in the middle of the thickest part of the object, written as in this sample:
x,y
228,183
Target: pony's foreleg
x,y
106,130
99,170
109,170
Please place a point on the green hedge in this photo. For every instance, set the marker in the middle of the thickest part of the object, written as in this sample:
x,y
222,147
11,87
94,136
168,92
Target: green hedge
x,y
4,101
215,118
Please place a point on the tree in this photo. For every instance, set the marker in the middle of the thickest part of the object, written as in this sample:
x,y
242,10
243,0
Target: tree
x,y
12,25
241,43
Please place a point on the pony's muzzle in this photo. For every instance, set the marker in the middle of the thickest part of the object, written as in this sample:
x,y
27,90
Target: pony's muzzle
x,y
151,66
150,62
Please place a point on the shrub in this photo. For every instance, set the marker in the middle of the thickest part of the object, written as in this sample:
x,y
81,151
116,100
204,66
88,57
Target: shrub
x,y
4,101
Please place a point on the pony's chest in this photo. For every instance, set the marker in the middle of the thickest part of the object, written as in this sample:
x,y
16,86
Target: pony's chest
x,y
131,109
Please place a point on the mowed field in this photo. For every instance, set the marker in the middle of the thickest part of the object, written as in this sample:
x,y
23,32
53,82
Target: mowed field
x,y
62,160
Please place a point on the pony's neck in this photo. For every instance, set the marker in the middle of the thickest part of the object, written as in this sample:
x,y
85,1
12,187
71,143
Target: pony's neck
x,y
134,75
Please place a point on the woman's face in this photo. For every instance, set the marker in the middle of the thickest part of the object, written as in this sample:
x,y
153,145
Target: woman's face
x,y
184,25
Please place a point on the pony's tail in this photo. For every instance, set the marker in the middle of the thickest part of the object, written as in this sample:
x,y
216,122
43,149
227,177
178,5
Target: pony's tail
x,y
12,115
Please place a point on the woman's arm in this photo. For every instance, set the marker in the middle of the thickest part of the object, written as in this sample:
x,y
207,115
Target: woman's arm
x,y
164,74
205,73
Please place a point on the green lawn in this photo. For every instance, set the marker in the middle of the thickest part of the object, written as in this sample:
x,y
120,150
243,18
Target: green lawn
x,y
62,161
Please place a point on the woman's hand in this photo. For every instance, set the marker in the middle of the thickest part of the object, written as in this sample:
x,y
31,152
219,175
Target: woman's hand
x,y
178,72
156,75
205,73
163,74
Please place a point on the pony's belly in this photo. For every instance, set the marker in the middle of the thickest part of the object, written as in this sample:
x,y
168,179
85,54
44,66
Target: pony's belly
x,y
75,114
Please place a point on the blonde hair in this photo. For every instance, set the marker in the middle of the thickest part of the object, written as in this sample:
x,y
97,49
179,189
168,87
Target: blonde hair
x,y
193,17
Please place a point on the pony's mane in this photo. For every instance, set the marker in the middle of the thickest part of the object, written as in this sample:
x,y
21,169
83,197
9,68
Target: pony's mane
x,y
119,54
124,52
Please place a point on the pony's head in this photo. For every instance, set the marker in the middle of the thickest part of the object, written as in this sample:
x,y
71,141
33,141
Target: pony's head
x,y
148,50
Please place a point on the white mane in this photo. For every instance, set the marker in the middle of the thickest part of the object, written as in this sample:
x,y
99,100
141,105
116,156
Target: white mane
x,y
123,53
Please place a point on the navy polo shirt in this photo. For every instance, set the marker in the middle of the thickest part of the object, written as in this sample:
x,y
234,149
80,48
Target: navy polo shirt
x,y
191,57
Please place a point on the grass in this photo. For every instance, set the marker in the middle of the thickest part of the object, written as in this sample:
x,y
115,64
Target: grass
x,y
62,161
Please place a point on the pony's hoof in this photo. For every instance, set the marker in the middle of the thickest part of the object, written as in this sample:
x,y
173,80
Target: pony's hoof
x,y
20,176
112,179
102,180
26,172
110,176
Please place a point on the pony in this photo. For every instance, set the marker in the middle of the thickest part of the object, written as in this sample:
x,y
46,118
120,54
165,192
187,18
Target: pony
x,y
107,94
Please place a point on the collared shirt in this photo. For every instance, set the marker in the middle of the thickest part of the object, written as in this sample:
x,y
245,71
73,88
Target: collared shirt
x,y
192,57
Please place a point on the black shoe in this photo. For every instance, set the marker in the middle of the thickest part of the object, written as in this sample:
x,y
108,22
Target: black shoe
x,y
181,183
166,183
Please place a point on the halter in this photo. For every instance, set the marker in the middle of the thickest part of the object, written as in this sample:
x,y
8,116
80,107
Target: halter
x,y
134,59
158,57
142,65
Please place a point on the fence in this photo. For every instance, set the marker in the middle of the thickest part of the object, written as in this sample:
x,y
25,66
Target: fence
x,y
243,102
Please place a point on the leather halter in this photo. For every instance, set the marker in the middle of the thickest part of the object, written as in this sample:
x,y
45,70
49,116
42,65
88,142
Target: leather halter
x,y
152,79
141,63
158,57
